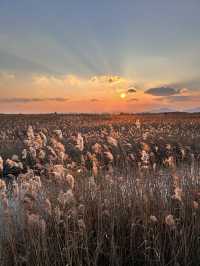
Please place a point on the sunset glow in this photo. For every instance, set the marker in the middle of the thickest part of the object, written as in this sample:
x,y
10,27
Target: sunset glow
x,y
131,56
123,95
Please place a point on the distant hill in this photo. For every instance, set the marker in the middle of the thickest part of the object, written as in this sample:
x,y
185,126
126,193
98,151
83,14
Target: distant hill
x,y
169,110
193,110
163,110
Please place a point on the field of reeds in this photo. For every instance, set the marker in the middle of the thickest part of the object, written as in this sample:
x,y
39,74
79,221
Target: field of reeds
x,y
100,190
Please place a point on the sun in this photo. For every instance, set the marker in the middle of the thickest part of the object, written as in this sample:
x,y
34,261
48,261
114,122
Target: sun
x,y
123,95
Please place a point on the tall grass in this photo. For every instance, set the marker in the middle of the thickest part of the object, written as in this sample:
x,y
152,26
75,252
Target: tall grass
x,y
114,221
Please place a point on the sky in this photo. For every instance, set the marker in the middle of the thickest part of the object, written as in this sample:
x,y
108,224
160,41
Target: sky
x,y
99,56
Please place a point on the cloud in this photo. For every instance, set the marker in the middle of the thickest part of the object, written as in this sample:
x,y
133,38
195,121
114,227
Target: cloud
x,y
31,100
94,100
57,81
76,86
114,79
162,91
183,98
159,98
133,100
131,91
107,79
184,91
79,81
6,75
46,87
57,99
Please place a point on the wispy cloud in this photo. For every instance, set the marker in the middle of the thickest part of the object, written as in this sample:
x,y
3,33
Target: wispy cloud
x,y
6,75
133,100
107,79
31,100
183,98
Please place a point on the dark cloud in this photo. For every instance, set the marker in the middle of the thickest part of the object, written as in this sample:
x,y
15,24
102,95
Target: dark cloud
x,y
57,99
131,91
94,100
31,100
113,79
110,80
162,91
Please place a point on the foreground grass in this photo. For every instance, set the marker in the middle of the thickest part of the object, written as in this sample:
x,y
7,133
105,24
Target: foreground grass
x,y
109,221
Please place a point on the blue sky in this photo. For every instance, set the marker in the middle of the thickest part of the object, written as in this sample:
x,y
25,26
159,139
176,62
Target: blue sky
x,y
149,43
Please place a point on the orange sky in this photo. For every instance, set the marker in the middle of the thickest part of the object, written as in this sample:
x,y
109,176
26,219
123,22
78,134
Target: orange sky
x,y
72,93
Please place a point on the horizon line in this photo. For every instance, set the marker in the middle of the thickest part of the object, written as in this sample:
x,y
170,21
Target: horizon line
x,y
100,113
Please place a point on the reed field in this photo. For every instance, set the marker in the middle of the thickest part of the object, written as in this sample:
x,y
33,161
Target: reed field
x,y
102,190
